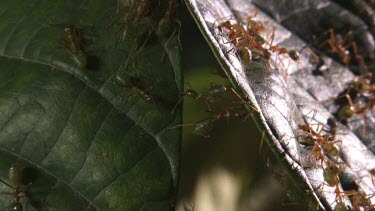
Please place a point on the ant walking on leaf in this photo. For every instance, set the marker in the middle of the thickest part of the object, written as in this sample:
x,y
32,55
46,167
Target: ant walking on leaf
x,y
168,26
215,90
235,110
133,83
362,89
74,44
204,127
340,47
16,176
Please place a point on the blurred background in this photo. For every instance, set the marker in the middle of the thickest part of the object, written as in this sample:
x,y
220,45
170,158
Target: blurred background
x,y
227,171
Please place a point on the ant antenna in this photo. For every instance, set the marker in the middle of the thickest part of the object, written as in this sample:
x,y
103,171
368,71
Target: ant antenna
x,y
183,95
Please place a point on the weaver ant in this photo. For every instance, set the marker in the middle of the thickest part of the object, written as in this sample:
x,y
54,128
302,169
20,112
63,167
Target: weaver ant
x,y
216,89
16,204
74,44
241,37
17,178
138,9
236,33
280,50
362,200
338,46
133,83
322,145
169,25
362,88
331,178
204,127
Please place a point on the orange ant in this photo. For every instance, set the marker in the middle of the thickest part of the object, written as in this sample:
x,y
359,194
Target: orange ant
x,y
204,127
337,46
141,7
363,87
138,12
331,177
133,84
276,49
361,199
236,33
16,204
215,90
74,44
169,25
322,145
317,150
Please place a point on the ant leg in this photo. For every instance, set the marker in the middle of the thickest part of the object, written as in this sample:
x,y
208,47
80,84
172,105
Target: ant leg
x,y
209,108
359,57
176,126
143,45
272,37
348,35
316,58
331,41
178,37
364,126
7,184
261,140
243,101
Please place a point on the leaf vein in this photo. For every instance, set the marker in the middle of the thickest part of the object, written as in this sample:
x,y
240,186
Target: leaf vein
x,y
135,164
66,123
88,148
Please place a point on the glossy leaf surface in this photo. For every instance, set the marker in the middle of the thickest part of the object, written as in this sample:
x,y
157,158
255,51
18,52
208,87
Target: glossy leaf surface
x,y
87,128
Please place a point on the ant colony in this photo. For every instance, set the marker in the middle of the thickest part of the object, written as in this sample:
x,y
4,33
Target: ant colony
x,y
250,37
141,23
252,40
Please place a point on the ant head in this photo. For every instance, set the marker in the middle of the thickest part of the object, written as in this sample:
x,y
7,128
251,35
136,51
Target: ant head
x,y
267,53
191,92
68,29
331,122
332,167
294,55
304,127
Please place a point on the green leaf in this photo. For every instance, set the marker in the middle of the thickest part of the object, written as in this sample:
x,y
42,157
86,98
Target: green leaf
x,y
87,130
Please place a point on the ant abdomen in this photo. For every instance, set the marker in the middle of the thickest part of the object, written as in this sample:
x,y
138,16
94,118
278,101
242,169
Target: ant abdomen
x,y
80,59
294,55
73,43
16,206
16,176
